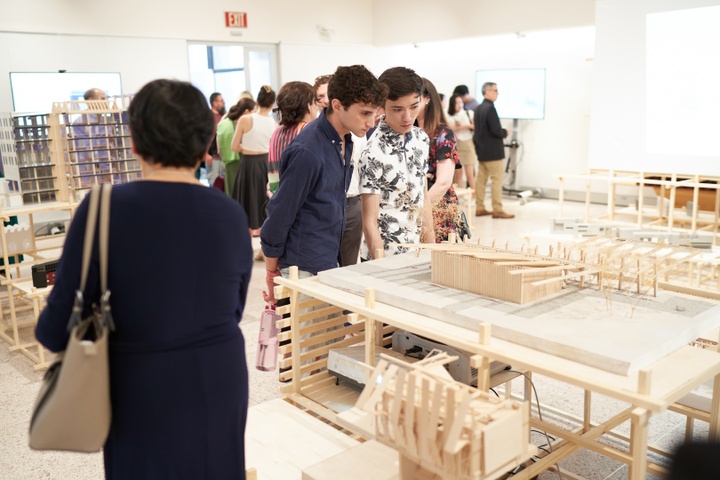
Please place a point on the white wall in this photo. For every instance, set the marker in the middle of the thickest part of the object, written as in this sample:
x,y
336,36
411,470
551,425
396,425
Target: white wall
x,y
99,36
557,144
137,59
415,21
269,21
631,92
307,61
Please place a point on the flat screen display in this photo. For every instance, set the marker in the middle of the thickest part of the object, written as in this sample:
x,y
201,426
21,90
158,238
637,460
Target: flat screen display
x,y
521,91
36,91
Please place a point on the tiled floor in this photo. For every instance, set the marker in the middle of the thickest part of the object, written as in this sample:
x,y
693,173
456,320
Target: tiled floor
x,y
19,382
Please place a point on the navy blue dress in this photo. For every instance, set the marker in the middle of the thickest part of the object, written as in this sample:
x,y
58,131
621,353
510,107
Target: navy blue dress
x,y
179,380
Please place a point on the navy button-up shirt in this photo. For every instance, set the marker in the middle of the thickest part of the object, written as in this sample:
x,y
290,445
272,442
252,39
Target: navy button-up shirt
x,y
306,216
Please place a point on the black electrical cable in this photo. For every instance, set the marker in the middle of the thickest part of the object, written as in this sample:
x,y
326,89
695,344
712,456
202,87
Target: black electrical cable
x,y
537,401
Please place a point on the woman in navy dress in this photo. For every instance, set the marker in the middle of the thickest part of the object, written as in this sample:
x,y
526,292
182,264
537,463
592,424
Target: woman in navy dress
x,y
179,381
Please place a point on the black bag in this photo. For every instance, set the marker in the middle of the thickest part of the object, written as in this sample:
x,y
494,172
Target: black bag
x,y
462,227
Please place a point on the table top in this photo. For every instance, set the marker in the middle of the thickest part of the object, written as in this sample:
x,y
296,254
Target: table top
x,y
669,378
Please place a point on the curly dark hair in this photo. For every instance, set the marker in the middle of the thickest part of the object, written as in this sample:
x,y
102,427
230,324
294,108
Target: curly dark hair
x,y
240,107
171,123
400,82
266,96
355,84
292,102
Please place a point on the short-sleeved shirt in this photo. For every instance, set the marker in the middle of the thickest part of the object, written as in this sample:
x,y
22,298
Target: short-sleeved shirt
x,y
442,146
393,165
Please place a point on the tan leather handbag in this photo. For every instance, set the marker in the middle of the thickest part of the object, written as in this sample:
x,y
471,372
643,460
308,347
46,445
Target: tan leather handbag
x,y
72,411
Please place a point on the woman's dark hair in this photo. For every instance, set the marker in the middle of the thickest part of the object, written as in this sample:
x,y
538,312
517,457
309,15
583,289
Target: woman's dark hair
x,y
292,102
171,123
266,96
401,81
451,104
240,107
355,84
433,110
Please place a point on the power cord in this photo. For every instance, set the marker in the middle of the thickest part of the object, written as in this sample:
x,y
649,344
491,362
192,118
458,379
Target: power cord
x,y
537,401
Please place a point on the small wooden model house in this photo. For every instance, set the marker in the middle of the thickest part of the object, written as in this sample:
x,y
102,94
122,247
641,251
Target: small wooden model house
x,y
506,276
443,429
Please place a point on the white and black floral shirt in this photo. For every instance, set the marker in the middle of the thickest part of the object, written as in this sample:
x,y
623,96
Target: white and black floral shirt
x,y
393,166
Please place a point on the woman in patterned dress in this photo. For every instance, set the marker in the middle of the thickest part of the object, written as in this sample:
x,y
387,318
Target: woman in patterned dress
x,y
442,161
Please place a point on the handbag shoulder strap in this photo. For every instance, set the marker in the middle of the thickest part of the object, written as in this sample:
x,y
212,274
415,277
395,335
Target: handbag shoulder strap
x,y
104,235
89,234
99,199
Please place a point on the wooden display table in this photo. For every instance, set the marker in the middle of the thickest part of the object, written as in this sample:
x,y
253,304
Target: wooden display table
x,y
369,460
319,321
674,191
281,440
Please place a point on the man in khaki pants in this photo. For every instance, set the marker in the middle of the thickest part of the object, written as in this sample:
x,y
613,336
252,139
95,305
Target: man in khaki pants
x,y
490,150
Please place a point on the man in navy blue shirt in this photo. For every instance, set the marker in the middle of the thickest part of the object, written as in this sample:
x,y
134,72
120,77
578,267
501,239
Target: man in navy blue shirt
x,y
306,215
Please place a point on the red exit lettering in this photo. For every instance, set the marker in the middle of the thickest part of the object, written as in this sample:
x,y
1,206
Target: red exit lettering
x,y
236,19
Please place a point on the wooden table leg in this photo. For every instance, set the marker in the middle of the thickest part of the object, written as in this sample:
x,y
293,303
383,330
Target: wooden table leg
x,y
639,419
714,427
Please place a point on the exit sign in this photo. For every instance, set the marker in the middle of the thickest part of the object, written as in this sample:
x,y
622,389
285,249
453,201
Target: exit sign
x,y
236,19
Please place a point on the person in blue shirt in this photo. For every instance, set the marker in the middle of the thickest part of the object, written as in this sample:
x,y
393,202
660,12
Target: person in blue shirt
x,y
306,215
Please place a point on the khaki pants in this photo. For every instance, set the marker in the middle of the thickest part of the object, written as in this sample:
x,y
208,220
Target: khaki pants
x,y
494,170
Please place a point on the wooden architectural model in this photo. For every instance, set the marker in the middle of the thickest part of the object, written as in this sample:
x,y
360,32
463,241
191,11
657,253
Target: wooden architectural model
x,y
687,203
93,144
49,162
10,181
598,262
507,276
443,429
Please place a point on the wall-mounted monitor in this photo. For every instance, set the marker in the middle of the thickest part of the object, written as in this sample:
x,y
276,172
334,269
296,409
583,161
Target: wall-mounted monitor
x,y
521,91
36,91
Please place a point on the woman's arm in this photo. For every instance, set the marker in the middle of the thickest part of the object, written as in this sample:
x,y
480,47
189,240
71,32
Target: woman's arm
x,y
427,231
443,180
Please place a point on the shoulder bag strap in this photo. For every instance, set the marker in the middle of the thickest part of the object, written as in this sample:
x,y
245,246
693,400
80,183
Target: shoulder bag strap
x,y
91,221
104,235
89,235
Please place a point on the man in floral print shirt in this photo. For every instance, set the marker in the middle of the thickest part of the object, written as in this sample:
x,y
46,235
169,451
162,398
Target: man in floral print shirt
x,y
392,171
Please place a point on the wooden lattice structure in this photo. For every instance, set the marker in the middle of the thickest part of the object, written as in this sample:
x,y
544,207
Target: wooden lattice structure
x,y
10,182
507,276
93,144
50,161
38,174
597,262
441,428
674,193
